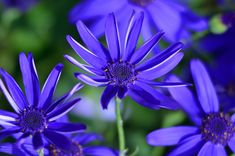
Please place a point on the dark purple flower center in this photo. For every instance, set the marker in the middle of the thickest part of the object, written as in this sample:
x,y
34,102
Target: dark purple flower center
x,y
75,150
120,73
228,19
32,120
141,3
217,128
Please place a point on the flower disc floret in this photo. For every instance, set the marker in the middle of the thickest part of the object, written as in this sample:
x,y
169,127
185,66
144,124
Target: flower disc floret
x,y
217,128
120,73
32,120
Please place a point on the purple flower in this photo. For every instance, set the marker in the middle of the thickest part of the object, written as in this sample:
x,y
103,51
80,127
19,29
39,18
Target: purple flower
x,y
119,67
35,112
175,19
80,148
22,5
222,48
214,129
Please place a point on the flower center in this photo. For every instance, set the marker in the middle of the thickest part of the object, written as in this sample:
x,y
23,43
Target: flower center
x,y
217,128
75,150
141,3
32,120
120,73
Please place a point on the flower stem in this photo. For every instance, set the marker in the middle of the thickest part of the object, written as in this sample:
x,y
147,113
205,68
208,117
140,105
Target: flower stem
x,y
41,152
120,128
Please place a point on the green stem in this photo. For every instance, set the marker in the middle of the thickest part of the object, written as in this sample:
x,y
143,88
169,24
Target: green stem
x,y
120,128
41,152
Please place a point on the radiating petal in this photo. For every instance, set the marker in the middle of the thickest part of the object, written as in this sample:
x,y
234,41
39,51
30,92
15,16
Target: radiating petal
x,y
7,123
91,81
212,149
122,92
145,48
30,79
145,95
35,79
89,69
66,127
14,89
9,131
87,10
66,96
123,17
50,86
205,89
193,21
231,144
85,138
91,42
85,54
58,139
165,84
23,136
28,149
167,18
132,35
170,136
109,92
99,151
162,68
147,31
11,148
9,98
142,97
62,109
161,57
112,37
7,116
98,27
189,146
186,100
233,117
37,141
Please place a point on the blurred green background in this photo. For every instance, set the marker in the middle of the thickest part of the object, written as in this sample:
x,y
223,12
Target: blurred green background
x,y
42,31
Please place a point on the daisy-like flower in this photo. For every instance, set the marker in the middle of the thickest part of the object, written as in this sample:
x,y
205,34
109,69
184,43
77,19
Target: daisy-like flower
x,y
36,112
121,67
80,147
176,20
214,129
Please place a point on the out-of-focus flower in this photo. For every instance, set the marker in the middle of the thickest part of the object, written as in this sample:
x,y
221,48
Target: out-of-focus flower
x,y
89,108
214,129
119,67
176,20
80,147
22,5
35,113
222,48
